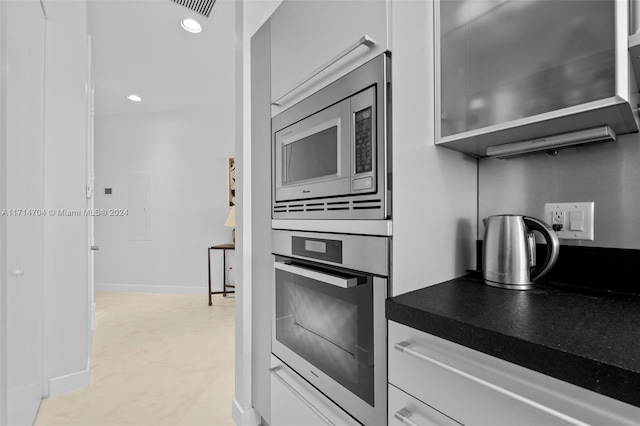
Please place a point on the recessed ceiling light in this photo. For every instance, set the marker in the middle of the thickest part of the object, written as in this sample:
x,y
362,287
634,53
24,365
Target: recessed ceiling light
x,y
191,25
134,98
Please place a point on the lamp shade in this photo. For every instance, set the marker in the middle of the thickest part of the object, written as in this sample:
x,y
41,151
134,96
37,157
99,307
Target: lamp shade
x,y
231,219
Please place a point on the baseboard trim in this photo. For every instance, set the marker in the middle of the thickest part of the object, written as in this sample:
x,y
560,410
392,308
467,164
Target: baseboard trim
x,y
70,382
242,417
156,289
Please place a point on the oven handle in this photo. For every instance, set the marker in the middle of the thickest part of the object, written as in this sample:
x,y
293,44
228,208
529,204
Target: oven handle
x,y
274,372
318,276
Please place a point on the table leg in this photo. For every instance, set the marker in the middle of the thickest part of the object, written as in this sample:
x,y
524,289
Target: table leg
x,y
224,273
209,262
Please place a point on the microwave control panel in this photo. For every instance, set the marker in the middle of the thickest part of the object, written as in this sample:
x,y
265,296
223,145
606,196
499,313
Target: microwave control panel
x,y
364,141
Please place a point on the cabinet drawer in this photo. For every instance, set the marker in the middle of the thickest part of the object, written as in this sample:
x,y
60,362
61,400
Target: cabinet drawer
x,y
406,410
307,35
294,402
475,388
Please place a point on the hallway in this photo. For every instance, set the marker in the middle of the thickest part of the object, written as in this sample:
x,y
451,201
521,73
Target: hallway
x,y
156,360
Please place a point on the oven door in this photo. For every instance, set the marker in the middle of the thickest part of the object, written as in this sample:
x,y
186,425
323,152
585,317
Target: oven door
x,y
329,326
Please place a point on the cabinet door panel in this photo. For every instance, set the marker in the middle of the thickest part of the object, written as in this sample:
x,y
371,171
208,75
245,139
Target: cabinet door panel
x,y
305,35
505,60
506,65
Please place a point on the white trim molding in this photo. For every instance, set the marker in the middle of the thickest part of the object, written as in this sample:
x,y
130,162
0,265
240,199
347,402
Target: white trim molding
x,y
243,417
156,289
70,382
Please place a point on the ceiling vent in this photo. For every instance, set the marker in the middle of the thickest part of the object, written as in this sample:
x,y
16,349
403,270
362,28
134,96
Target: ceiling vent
x,y
203,7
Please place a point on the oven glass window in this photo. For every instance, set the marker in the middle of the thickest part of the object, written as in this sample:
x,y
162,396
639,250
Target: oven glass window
x,y
330,327
312,157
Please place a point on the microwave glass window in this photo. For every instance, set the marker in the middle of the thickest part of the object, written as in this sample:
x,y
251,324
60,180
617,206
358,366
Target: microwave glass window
x,y
364,141
312,157
330,327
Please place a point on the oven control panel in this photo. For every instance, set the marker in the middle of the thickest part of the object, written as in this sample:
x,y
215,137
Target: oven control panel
x,y
362,253
317,248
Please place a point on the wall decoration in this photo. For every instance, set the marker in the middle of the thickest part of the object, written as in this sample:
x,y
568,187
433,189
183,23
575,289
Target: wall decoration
x,y
231,163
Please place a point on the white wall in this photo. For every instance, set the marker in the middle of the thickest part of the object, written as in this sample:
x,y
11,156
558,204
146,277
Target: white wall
x,y
3,219
606,173
434,189
186,154
25,30
66,326
256,12
250,15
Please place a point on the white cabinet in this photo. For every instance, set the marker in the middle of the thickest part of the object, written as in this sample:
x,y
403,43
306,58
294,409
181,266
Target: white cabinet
x,y
308,35
474,388
294,402
514,70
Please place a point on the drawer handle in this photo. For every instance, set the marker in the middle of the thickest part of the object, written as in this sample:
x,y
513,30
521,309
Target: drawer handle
x,y
403,415
365,39
274,372
405,347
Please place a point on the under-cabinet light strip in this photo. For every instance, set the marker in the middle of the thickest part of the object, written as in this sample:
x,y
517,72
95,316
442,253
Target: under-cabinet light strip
x,y
597,134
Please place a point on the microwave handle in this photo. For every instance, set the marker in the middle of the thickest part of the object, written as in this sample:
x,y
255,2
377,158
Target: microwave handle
x,y
365,39
318,276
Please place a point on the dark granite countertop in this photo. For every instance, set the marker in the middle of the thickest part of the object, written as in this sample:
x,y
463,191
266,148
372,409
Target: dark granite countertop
x,y
584,337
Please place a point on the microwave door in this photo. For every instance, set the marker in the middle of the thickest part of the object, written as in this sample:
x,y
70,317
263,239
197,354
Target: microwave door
x,y
313,156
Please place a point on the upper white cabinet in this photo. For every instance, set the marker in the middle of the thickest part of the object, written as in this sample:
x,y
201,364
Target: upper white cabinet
x,y
514,70
314,42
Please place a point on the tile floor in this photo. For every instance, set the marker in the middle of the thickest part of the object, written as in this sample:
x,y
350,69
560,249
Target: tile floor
x,y
156,360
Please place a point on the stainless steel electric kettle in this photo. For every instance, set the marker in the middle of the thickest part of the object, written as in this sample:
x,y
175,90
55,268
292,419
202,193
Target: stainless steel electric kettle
x,y
509,251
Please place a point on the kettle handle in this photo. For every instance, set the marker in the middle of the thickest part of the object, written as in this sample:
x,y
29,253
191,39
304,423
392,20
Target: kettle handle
x,y
553,245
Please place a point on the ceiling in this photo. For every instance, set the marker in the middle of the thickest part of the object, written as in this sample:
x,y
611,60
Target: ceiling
x,y
138,46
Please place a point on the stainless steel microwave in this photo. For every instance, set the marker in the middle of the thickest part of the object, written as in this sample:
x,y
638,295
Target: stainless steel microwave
x,y
331,150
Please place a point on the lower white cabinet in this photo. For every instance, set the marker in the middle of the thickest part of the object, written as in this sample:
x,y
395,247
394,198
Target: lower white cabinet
x,y
473,388
294,402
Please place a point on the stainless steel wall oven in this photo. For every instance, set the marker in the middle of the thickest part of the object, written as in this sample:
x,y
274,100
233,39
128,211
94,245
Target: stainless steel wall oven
x,y
328,321
331,150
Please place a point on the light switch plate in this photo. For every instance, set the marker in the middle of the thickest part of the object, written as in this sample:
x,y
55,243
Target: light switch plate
x,y
576,219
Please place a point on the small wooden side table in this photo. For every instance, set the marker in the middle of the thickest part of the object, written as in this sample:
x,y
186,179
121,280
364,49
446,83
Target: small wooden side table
x,y
225,285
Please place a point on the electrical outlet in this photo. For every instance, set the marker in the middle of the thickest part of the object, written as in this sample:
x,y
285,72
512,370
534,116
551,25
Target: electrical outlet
x,y
571,221
557,220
